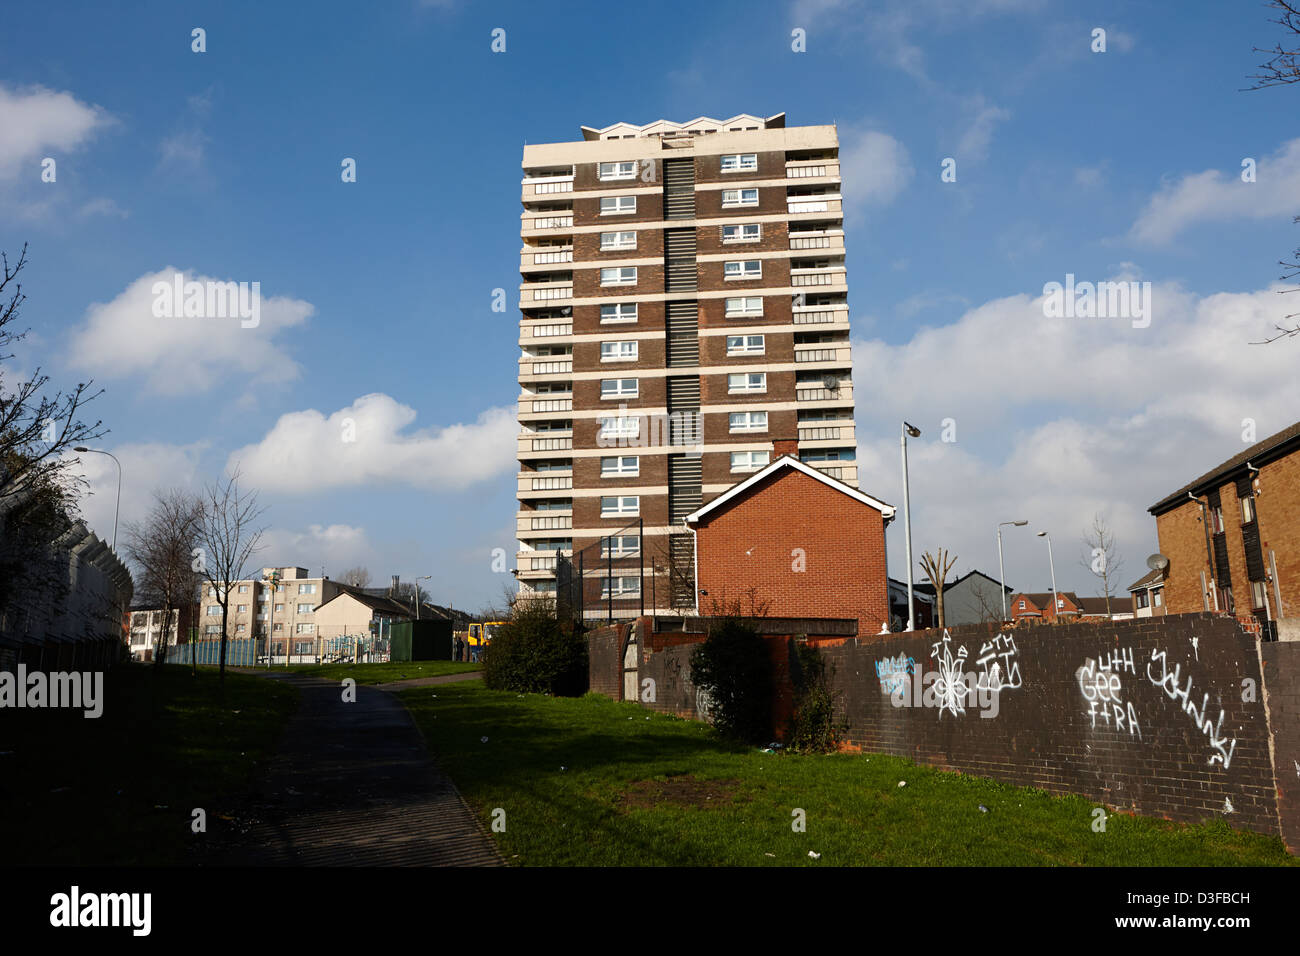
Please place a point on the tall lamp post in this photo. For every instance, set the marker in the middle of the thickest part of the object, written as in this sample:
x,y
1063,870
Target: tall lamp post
x,y
423,577
907,520
1050,564
1002,574
97,451
272,580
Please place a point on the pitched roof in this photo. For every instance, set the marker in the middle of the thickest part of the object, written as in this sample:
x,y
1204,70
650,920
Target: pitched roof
x,y
1274,446
1097,605
1147,580
1044,598
783,462
372,601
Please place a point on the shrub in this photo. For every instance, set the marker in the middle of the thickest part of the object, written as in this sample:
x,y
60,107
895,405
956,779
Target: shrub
x,y
532,653
813,727
732,666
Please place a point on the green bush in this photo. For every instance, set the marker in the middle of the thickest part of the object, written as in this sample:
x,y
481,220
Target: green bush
x,y
533,653
732,666
813,727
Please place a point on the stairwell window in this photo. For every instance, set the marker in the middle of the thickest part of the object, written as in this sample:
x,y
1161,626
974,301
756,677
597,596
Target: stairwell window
x,y
621,275
619,205
623,170
747,382
617,240
740,197
748,421
618,388
616,506
620,466
618,351
749,460
746,305
748,269
739,162
744,232
745,345
623,586
618,312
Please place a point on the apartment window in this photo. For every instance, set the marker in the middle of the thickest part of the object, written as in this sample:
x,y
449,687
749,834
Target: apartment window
x,y
553,504
241,609
739,197
624,546
748,421
306,589
239,629
614,505
552,466
618,351
619,275
304,628
303,647
212,629
1248,512
306,608
243,589
745,344
619,428
279,627
553,544
617,240
746,305
620,466
279,609
622,586
748,460
744,232
739,162
829,454
1216,519
623,170
618,312
620,205
618,388
749,269
747,382
214,610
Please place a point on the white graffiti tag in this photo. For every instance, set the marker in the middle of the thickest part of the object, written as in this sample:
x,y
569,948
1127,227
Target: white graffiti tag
x,y
1101,687
996,675
1169,682
950,687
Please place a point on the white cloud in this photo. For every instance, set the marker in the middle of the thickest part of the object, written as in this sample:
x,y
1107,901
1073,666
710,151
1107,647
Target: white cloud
x,y
974,143
1057,419
875,168
37,121
1212,196
368,443
336,546
123,338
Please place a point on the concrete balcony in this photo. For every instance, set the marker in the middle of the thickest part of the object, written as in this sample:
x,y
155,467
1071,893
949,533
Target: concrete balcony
x,y
541,484
828,352
539,224
543,521
845,471
543,188
548,331
538,445
821,397
827,170
534,368
829,204
534,294
832,244
531,405
538,564
835,278
826,434
533,259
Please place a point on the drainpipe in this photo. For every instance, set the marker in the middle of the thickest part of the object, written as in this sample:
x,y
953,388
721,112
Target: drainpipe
x,y
1209,552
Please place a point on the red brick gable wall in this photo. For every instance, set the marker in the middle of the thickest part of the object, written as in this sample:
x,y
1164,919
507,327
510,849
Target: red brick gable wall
x,y
803,548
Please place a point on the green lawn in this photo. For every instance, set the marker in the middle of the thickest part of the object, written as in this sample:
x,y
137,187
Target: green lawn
x,y
594,782
120,789
381,673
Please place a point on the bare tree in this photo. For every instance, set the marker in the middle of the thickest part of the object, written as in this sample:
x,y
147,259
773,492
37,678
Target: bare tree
x,y
936,568
227,538
1281,69
36,431
358,577
1101,556
163,548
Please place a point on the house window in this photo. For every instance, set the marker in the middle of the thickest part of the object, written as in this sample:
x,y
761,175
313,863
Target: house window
x,y
743,232
620,275
1248,512
622,586
747,382
618,351
306,608
618,388
748,305
748,421
620,466
748,460
618,205
618,312
1216,519
614,429
1258,593
745,345
1022,606
1060,604
614,505
1143,599
740,197
617,240
749,269
622,170
739,162
1157,596
624,546
303,647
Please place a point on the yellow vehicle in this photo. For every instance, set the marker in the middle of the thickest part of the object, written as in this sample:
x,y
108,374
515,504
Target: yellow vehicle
x,y
480,636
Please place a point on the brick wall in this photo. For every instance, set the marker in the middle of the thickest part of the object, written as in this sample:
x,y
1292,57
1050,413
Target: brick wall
x,y
1281,661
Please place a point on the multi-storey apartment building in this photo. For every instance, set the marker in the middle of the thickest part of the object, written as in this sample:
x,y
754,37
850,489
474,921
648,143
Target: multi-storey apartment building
x,y
290,617
683,306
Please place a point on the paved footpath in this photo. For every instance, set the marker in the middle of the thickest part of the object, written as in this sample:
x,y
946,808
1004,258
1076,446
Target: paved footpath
x,y
353,785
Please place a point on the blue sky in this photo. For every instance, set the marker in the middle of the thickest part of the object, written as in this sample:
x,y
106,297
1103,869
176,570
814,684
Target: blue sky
x,y
226,164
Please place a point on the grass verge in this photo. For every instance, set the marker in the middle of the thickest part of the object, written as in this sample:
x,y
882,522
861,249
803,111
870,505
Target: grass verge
x,y
592,782
119,789
382,673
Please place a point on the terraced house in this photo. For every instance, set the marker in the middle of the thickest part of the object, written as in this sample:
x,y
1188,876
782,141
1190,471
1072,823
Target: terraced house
x,y
683,307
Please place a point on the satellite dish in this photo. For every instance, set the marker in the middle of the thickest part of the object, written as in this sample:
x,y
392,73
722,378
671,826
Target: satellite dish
x,y
831,382
1157,562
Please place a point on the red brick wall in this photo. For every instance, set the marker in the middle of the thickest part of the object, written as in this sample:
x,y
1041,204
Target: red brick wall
x,y
759,541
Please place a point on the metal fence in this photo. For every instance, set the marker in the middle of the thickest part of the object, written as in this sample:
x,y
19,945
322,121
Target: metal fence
x,y
240,652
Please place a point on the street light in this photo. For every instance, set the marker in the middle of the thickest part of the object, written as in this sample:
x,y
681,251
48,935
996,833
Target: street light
x,y
907,519
83,448
423,577
272,579
1002,573
1044,534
